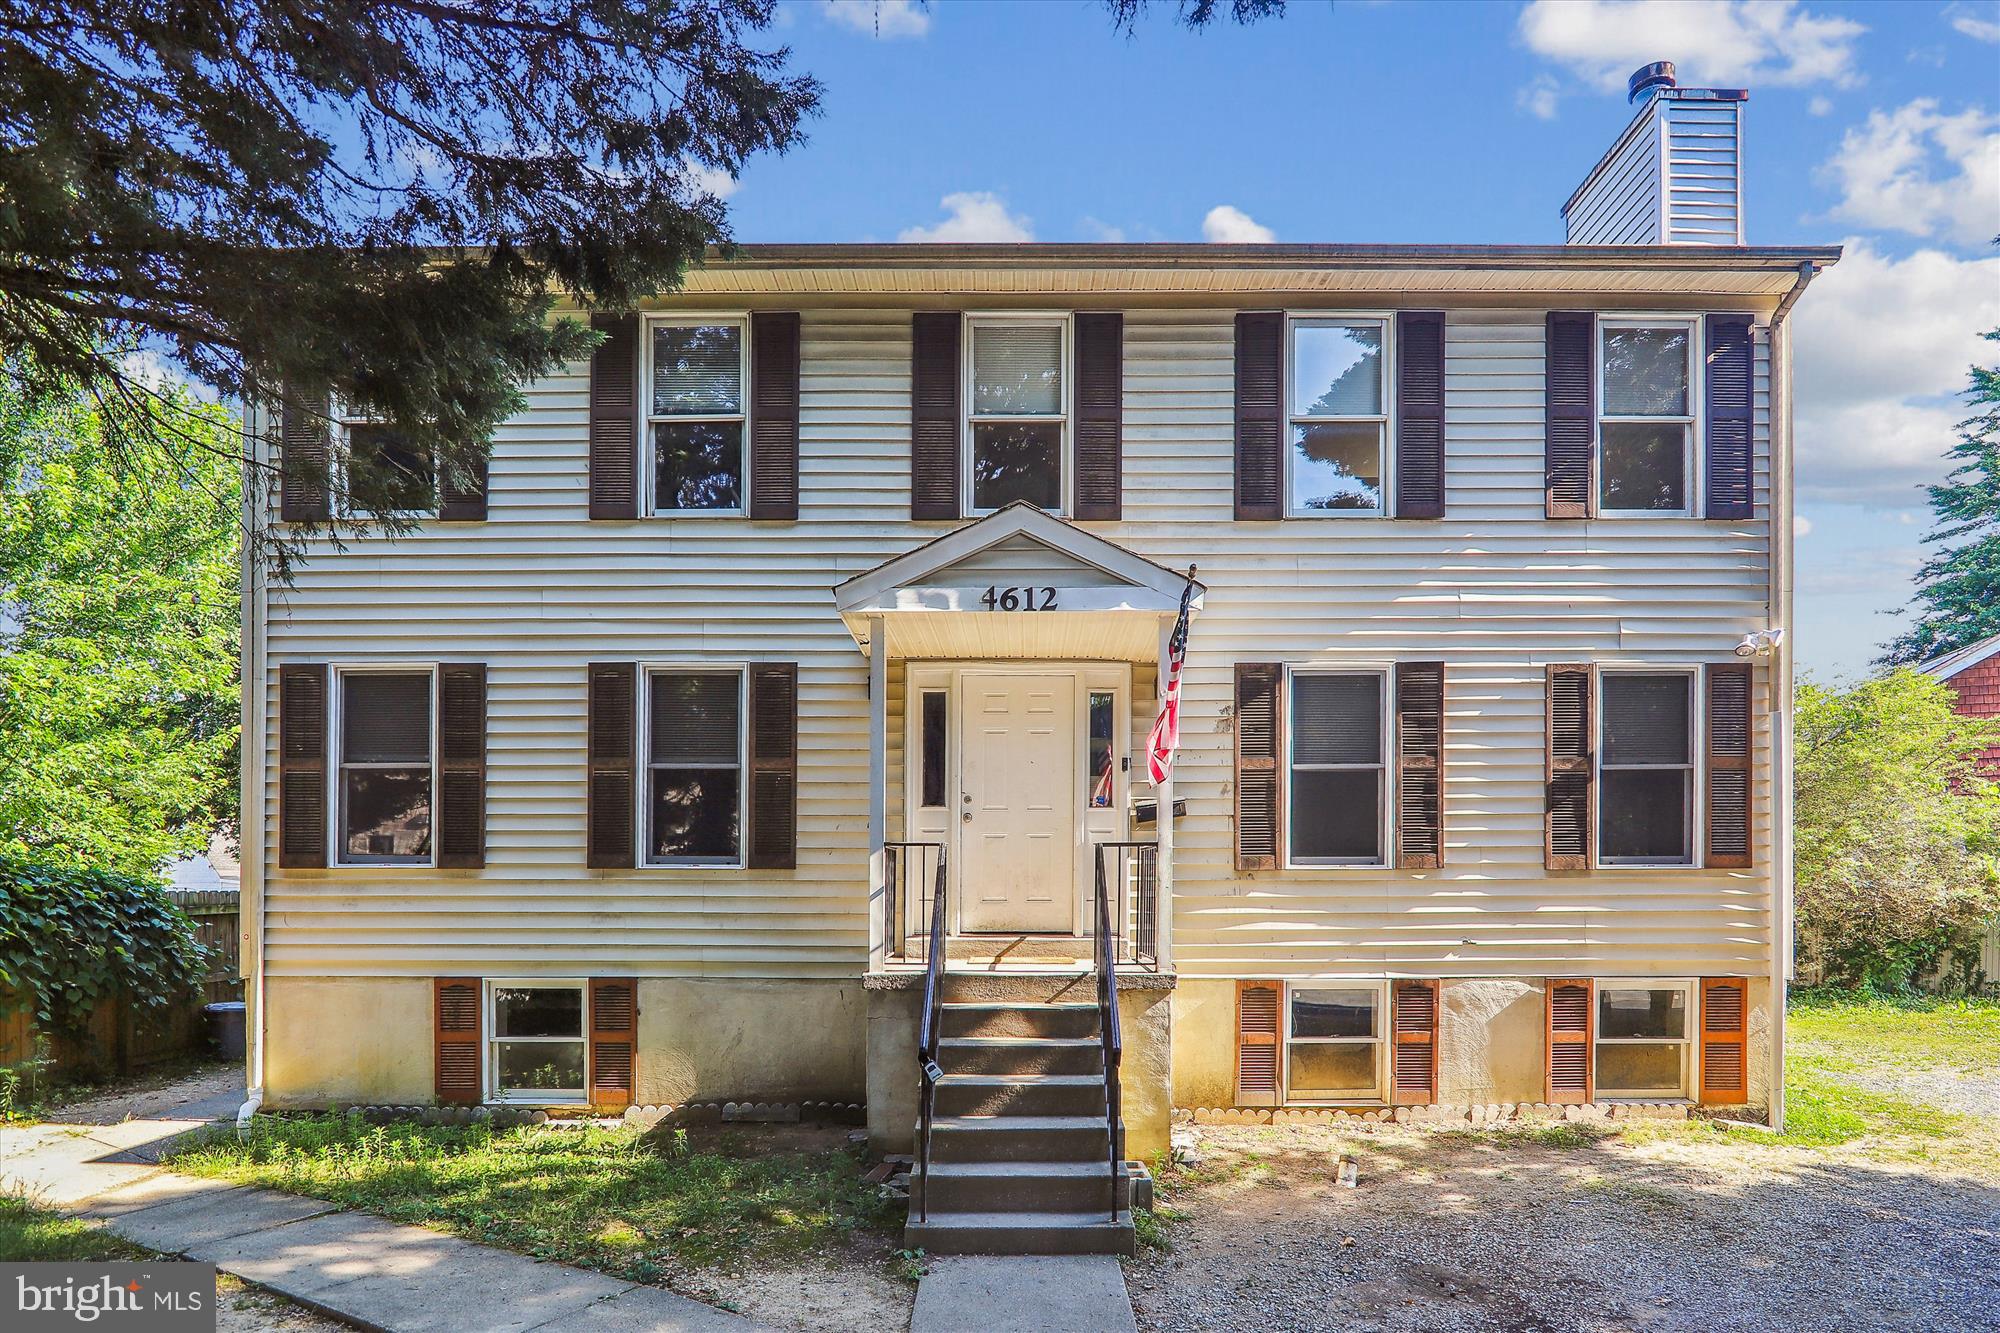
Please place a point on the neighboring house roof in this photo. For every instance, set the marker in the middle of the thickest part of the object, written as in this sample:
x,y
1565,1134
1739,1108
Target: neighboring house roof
x,y
218,869
1947,665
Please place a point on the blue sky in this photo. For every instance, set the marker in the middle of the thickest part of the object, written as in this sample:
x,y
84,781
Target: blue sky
x,y
1873,125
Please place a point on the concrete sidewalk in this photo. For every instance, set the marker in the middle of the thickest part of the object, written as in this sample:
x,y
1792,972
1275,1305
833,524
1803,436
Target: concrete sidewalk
x,y
1080,1293
353,1266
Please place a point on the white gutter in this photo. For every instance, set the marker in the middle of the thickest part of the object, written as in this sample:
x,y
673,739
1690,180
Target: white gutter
x,y
1781,683
250,817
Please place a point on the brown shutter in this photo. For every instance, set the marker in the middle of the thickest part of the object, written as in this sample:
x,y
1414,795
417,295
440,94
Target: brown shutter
x,y
774,416
1725,1047
302,739
1571,418
463,500
1729,485
1259,712
1415,1041
1570,802
612,760
1571,1007
1728,821
934,414
305,461
1419,765
455,1034
774,766
1420,414
461,783
1257,1005
1100,415
614,1041
1260,416
614,418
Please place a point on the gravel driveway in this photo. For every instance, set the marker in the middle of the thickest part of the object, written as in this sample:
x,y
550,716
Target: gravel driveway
x,y
1465,1231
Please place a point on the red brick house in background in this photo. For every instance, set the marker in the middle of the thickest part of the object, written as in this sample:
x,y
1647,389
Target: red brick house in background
x,y
1973,672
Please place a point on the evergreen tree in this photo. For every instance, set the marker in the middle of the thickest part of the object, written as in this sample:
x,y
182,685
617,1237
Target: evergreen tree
x,y
1958,588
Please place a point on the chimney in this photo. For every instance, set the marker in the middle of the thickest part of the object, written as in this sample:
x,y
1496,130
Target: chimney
x,y
1674,177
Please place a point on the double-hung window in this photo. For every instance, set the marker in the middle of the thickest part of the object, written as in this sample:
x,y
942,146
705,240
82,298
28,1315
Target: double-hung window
x,y
1646,768
537,1048
1338,417
1643,1038
386,750
1018,431
694,767
1337,778
695,415
1646,425
383,473
1333,1043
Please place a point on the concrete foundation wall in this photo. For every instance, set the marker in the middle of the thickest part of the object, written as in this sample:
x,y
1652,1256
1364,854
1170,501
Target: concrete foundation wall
x,y
340,1040
1204,1042
1491,1037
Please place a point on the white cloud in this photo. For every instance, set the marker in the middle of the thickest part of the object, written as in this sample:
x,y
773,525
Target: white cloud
x,y
1801,526
1820,106
1964,19
1920,171
973,215
1103,231
710,180
1538,96
1880,352
879,18
1228,225
1709,41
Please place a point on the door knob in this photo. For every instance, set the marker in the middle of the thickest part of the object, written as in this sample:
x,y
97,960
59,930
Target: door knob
x,y
966,817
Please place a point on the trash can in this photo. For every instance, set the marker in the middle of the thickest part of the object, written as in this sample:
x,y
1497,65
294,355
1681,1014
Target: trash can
x,y
225,1028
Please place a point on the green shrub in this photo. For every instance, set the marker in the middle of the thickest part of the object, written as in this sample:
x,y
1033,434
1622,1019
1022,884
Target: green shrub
x,y
70,938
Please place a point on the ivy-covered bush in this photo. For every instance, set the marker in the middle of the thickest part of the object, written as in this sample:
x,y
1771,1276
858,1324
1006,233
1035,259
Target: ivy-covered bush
x,y
69,938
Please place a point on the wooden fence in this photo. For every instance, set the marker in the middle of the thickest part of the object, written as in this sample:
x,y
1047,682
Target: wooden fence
x,y
122,1037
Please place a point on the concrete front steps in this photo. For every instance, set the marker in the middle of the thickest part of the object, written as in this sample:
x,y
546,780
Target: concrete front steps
x,y
1021,1159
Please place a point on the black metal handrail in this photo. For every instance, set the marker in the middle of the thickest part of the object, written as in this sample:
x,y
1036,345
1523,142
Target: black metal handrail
x,y
902,863
1107,1022
927,1041
1134,922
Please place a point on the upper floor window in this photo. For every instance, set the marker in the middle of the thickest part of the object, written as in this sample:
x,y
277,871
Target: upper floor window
x,y
1018,428
386,751
695,415
383,474
1338,780
1646,425
694,767
1646,763
1338,417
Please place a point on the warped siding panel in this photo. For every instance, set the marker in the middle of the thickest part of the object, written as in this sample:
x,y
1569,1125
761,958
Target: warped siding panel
x,y
1492,589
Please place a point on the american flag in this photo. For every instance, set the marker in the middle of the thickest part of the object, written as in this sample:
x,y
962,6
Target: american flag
x,y
1165,739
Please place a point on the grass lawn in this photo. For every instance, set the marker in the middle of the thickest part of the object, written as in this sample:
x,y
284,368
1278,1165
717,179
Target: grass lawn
x,y
37,1235
610,1199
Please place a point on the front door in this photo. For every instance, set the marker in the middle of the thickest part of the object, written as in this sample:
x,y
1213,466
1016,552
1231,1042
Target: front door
x,y
1018,802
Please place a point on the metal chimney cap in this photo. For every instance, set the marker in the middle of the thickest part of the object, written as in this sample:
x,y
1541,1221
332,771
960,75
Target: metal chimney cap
x,y
1659,74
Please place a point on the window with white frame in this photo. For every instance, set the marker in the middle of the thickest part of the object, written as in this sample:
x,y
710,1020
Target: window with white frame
x,y
1646,770
1336,774
1644,1040
387,744
1333,1043
931,748
1645,428
536,1051
383,473
1339,418
695,415
1018,426
694,767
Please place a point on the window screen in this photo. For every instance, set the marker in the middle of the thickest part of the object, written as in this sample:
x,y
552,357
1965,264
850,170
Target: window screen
x,y
694,768
1337,773
385,767
1646,806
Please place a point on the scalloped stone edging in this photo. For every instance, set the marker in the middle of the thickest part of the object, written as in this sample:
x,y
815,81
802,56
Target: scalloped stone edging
x,y
1452,1117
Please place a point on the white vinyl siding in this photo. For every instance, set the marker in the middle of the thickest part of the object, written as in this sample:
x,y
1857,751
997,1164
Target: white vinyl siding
x,y
538,591
1673,178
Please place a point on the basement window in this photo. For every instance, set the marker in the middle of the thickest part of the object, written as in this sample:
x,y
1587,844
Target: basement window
x,y
1643,1043
537,1045
1333,1044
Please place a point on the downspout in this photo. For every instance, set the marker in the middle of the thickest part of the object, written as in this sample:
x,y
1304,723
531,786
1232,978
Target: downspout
x,y
250,817
1781,683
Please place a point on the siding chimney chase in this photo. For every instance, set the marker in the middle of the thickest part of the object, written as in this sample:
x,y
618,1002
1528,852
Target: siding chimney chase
x,y
1674,177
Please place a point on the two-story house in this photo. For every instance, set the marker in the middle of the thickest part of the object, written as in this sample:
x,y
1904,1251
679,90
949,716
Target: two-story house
x,y
771,725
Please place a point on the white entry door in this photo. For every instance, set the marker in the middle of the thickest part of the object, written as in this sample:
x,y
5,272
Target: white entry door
x,y
1018,802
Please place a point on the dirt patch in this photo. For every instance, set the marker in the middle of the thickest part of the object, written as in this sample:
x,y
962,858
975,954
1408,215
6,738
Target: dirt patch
x,y
847,1291
1470,1231
195,1091
240,1308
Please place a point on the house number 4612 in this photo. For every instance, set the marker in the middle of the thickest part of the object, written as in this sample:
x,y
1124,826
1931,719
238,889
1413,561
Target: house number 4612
x,y
1019,599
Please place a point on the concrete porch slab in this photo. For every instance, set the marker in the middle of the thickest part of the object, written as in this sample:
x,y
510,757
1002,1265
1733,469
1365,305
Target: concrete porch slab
x,y
1027,1294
